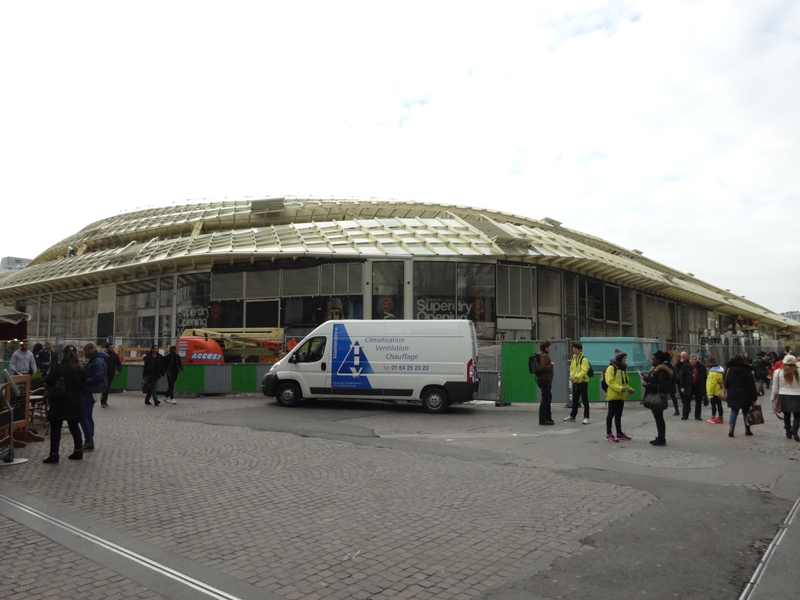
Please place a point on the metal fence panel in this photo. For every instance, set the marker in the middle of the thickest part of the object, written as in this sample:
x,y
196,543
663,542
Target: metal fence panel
x,y
489,386
218,378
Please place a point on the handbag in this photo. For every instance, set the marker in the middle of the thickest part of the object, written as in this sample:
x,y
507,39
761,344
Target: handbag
x,y
722,394
754,415
655,401
145,385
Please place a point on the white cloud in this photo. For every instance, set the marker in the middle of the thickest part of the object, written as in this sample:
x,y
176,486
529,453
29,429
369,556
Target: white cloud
x,y
671,128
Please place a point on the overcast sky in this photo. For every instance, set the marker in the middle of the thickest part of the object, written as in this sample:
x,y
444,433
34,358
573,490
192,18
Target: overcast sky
x,y
670,127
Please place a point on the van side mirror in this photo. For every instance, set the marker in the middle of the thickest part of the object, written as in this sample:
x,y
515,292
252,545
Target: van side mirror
x,y
293,358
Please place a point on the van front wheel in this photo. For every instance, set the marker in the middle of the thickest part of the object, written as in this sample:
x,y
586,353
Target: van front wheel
x,y
288,394
435,400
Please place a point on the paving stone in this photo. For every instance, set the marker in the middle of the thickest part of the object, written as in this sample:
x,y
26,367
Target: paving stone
x,y
285,512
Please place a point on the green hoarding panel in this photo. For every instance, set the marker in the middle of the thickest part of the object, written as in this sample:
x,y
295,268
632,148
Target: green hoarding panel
x,y
518,383
244,378
595,395
193,379
120,381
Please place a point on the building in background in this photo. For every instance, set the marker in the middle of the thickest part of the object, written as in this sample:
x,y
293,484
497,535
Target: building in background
x,y
12,263
146,276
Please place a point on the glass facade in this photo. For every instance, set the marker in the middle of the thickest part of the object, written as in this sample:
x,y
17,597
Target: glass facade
x,y
497,297
387,290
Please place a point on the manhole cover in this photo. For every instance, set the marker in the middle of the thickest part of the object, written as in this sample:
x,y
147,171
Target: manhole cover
x,y
669,459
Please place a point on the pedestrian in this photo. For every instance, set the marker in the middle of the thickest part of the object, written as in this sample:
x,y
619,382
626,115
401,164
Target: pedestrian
x,y
65,402
96,381
544,380
153,371
713,386
760,369
173,366
672,388
113,369
22,361
616,377
692,378
46,357
748,361
658,381
741,388
579,376
786,391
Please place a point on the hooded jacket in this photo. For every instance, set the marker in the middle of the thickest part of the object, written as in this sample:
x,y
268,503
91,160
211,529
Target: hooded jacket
x,y
714,380
617,379
579,368
96,378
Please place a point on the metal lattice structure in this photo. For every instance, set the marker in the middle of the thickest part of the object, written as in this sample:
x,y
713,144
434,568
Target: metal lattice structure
x,y
194,236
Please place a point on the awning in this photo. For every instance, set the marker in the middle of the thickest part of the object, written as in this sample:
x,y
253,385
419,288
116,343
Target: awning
x,y
9,315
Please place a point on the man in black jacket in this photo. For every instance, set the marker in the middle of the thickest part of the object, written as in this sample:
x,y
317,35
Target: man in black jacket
x,y
692,379
46,358
114,368
173,366
760,369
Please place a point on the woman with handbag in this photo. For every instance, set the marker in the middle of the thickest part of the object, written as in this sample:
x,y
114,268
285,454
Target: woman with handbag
x,y
741,389
65,385
786,391
657,384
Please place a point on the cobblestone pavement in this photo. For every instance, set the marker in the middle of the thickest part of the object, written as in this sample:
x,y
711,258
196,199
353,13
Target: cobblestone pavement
x,y
302,517
35,567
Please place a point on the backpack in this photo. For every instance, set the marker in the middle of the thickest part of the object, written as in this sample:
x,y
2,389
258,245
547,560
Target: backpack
x,y
603,382
533,363
58,390
590,372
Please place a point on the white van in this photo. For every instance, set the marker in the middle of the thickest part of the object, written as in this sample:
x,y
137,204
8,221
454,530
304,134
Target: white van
x,y
432,362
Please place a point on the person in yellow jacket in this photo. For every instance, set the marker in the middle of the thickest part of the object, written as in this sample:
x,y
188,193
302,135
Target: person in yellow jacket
x,y
579,376
713,386
616,376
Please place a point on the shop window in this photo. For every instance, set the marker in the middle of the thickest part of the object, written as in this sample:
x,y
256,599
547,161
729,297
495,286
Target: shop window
x,y
317,310
191,302
165,321
476,296
226,314
263,313
549,287
595,300
515,289
434,290
612,303
387,290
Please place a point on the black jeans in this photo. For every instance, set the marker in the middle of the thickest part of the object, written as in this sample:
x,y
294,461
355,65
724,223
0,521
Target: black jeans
x,y
661,427
104,400
580,390
787,422
674,400
152,390
614,413
716,406
171,379
545,415
687,403
55,434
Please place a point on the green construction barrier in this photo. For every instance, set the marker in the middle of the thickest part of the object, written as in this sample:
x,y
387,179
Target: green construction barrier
x,y
244,378
595,394
193,379
120,382
518,383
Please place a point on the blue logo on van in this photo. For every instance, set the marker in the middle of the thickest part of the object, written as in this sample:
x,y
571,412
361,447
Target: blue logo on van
x,y
350,364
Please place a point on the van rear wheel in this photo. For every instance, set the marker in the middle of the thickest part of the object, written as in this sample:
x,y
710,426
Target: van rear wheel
x,y
288,394
435,400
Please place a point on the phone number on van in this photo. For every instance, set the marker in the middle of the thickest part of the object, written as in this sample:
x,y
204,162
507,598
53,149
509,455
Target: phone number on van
x,y
410,367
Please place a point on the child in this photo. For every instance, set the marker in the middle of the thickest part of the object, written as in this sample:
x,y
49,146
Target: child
x,y
616,377
713,386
